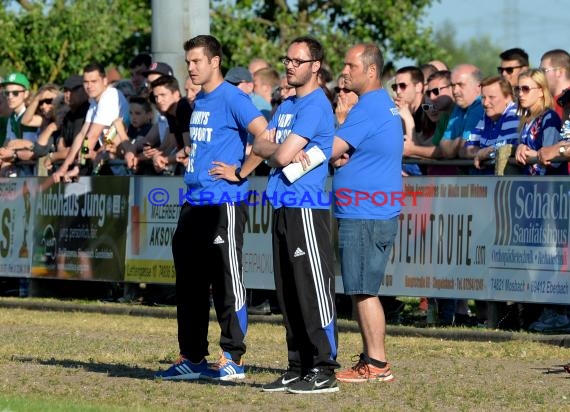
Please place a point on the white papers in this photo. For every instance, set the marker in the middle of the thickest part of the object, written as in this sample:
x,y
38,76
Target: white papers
x,y
294,171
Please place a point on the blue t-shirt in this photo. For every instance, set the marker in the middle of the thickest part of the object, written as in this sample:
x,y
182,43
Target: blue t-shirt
x,y
312,118
218,131
463,121
370,184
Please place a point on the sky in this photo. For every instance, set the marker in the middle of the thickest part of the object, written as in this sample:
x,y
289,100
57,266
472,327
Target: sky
x,y
534,25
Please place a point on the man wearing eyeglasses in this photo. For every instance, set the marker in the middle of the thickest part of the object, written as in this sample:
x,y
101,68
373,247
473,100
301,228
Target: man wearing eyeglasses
x,y
556,67
513,62
438,104
409,89
302,252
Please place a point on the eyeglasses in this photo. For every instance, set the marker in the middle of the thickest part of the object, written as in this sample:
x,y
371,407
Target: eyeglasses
x,y
295,62
436,90
401,86
337,90
426,107
509,70
524,89
548,69
14,93
45,101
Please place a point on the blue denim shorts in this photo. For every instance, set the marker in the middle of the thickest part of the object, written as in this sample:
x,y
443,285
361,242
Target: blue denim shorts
x,y
365,246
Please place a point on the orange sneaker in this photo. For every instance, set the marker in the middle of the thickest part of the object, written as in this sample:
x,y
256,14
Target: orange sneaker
x,y
423,304
365,372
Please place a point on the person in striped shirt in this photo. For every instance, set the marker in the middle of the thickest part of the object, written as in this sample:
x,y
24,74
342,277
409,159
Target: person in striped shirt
x,y
498,127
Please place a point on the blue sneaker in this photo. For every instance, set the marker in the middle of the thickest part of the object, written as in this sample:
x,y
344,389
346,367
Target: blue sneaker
x,y
183,369
225,369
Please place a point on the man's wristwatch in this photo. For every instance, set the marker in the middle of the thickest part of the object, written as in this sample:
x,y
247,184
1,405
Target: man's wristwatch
x,y
237,173
562,149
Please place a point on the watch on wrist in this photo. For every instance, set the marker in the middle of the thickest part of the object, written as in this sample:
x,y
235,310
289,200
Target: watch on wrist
x,y
562,149
237,173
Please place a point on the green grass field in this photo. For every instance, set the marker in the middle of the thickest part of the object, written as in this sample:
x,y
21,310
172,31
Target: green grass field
x,y
80,361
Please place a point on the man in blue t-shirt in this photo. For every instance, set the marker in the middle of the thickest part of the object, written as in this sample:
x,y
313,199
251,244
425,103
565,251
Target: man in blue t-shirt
x,y
367,185
207,244
302,253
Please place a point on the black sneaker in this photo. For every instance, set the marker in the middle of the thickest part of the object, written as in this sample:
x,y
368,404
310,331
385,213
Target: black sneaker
x,y
283,382
318,380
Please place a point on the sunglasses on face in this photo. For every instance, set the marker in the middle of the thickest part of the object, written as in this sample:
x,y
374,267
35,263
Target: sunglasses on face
x,y
45,101
401,86
436,90
337,90
548,69
509,70
14,93
524,89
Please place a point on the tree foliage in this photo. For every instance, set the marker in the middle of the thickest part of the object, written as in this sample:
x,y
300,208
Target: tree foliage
x,y
264,28
481,52
49,40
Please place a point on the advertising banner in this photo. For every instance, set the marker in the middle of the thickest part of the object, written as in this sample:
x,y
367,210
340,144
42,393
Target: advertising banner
x,y
488,238
80,229
16,226
528,259
443,239
153,215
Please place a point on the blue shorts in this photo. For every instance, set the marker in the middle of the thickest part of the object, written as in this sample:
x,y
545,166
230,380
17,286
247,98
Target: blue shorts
x,y
365,246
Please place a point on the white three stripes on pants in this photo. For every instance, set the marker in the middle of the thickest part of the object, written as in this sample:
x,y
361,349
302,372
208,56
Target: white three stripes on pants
x,y
237,284
323,291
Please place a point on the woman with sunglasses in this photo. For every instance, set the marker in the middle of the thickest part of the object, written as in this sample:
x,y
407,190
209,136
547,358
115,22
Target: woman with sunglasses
x,y
40,111
539,125
40,115
344,100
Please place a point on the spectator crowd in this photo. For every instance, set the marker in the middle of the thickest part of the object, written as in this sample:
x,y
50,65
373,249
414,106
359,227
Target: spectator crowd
x,y
96,123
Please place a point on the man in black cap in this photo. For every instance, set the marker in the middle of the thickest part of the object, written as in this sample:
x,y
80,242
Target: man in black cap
x,y
156,70
243,80
76,98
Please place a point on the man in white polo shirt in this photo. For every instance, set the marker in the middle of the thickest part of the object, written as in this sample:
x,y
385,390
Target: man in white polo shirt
x,y
106,105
